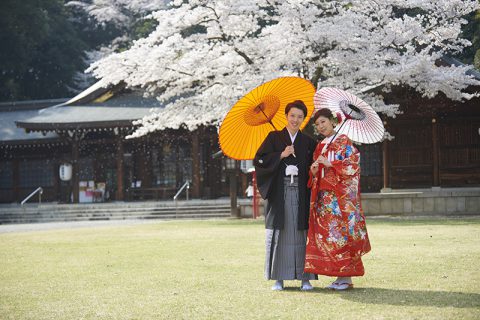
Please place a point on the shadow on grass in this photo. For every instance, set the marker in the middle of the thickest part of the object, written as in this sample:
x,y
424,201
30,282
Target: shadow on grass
x,y
403,297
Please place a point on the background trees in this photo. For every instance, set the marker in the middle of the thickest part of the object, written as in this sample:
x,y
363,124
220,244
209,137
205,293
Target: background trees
x,y
471,31
40,50
203,55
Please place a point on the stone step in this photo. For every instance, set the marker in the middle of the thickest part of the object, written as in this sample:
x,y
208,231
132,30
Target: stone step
x,y
117,211
156,204
101,208
114,211
114,215
98,218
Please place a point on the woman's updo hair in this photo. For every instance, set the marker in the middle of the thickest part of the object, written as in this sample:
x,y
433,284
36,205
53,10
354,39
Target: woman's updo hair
x,y
327,113
299,104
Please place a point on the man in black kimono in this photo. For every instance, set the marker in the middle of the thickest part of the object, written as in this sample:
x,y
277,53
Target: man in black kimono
x,y
281,164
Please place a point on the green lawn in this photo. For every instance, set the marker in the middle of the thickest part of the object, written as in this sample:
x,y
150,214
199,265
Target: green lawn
x,y
418,269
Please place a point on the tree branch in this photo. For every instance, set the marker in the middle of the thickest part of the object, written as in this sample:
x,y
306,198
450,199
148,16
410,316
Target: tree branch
x,y
244,56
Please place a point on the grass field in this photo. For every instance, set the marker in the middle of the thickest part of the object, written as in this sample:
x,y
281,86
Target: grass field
x,y
418,269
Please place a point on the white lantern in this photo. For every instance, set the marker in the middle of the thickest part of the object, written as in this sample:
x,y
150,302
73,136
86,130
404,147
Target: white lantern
x,y
65,171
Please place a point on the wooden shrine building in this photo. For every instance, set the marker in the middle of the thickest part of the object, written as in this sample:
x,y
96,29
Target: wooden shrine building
x,y
436,144
89,133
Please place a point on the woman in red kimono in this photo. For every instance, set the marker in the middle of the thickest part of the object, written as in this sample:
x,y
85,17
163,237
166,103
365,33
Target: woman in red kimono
x,y
337,234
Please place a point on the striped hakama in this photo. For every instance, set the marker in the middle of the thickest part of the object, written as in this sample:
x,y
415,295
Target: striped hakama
x,y
285,249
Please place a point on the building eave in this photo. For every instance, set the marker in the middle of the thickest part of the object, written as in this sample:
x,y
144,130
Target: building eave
x,y
39,126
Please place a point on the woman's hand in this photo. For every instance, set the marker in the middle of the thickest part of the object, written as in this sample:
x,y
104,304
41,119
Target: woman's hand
x,y
314,168
324,161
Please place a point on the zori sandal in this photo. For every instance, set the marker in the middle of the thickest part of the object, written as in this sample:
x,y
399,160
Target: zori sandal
x,y
343,286
333,285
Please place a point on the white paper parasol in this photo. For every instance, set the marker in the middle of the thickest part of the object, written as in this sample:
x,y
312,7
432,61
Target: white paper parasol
x,y
361,123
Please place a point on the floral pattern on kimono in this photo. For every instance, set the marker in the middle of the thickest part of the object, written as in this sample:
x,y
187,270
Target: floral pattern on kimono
x,y
337,235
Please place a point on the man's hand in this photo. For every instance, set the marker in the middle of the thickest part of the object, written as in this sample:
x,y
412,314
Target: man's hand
x,y
287,152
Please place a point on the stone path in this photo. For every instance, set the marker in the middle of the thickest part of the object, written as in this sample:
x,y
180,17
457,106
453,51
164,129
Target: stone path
x,y
27,227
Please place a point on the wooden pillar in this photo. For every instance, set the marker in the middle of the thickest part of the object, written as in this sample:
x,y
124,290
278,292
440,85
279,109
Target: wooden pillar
x,y
243,183
234,212
216,166
435,154
144,167
16,180
174,147
75,170
195,164
386,163
56,180
119,195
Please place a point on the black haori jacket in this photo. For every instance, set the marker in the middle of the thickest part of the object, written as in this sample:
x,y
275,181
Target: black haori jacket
x,y
270,171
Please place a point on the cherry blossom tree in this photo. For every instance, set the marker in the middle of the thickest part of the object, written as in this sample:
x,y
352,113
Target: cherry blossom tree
x,y
115,23
121,13
204,55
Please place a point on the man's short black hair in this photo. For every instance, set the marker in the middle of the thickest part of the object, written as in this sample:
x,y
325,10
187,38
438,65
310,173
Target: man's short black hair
x,y
297,104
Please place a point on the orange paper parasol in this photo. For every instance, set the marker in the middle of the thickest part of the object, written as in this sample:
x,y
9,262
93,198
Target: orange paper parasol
x,y
262,110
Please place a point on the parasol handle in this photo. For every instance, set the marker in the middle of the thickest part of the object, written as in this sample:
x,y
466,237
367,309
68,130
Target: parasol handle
x,y
270,121
347,117
336,132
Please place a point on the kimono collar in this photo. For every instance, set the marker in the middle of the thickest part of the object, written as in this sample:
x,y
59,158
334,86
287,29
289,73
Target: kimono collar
x,y
328,141
289,138
292,138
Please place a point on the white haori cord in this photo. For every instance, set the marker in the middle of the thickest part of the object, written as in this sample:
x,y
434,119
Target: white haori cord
x,y
291,171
